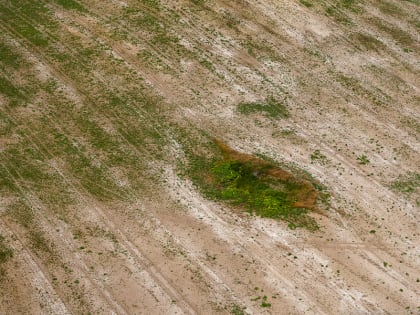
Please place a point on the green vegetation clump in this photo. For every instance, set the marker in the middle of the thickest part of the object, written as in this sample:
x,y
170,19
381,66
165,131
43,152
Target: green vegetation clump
x,y
390,9
237,310
306,3
318,157
271,108
259,186
363,159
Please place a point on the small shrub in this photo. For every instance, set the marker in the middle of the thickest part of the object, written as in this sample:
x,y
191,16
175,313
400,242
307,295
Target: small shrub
x,y
265,304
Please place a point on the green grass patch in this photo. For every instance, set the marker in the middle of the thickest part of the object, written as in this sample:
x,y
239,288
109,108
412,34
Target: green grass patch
x,y
390,9
32,34
398,35
407,183
355,85
262,50
318,157
257,185
236,310
271,108
368,42
337,14
12,92
8,57
352,5
33,20
199,2
155,4
306,3
71,5
21,213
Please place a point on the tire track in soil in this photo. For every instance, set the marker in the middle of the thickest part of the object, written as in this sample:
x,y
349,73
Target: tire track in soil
x,y
259,251
81,266
45,289
139,258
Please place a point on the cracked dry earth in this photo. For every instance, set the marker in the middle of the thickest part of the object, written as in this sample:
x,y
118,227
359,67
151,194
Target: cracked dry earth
x,y
100,103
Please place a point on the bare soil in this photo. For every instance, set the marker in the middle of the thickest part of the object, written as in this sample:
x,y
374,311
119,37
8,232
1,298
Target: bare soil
x,y
99,101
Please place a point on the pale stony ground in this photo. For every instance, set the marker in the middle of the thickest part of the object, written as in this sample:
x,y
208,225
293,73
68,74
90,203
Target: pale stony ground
x,y
140,238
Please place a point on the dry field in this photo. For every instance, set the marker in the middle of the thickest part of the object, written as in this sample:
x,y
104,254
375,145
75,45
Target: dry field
x,y
108,114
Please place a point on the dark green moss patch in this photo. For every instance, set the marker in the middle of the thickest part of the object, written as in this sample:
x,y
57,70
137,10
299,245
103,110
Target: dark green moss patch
x,y
257,185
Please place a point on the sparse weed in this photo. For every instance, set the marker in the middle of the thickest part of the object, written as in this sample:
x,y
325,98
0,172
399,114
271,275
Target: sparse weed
x,y
318,157
363,159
